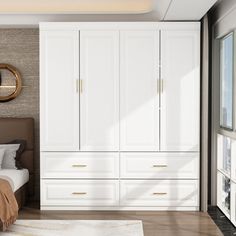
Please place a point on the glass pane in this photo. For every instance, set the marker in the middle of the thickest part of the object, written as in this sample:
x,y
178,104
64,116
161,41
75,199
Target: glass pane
x,y
226,74
225,197
226,165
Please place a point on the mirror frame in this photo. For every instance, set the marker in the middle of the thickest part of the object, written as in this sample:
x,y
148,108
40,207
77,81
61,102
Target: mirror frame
x,y
18,80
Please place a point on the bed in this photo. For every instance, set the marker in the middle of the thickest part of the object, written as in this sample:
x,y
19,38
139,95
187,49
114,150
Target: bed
x,y
22,181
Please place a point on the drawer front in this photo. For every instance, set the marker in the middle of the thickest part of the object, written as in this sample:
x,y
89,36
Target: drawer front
x,y
160,165
163,193
79,192
79,165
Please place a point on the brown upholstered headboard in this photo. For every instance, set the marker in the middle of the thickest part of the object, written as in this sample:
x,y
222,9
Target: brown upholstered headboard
x,y
21,128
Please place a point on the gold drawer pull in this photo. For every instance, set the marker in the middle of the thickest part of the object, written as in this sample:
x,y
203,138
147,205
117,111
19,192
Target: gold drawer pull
x,y
160,166
79,165
79,193
159,193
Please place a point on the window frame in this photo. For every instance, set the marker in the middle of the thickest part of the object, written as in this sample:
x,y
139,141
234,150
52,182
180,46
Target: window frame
x,y
233,83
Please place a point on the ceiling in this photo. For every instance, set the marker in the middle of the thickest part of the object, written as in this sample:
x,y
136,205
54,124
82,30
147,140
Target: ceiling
x,y
188,9
31,12
76,6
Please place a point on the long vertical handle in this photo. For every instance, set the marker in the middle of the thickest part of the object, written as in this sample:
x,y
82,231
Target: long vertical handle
x,y
77,86
81,86
162,85
158,86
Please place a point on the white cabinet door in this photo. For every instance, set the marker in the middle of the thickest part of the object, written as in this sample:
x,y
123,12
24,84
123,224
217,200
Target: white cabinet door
x,y
59,100
180,90
139,103
99,90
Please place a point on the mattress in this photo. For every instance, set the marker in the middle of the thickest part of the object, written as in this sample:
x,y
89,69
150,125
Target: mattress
x,y
16,178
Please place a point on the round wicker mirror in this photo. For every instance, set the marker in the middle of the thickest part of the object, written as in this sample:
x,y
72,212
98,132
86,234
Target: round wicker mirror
x,y
18,83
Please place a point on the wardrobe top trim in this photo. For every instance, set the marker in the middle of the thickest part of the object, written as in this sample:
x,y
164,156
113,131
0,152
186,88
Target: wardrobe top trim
x,y
119,25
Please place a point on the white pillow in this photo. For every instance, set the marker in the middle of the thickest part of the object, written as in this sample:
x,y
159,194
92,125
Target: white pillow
x,y
9,161
2,151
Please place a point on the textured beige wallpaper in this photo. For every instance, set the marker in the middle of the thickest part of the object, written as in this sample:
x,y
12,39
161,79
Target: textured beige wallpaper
x,y
20,48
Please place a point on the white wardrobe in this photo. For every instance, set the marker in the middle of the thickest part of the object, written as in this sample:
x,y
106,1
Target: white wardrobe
x,y
119,116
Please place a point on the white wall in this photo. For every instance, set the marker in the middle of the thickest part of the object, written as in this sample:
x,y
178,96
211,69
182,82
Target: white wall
x,y
223,17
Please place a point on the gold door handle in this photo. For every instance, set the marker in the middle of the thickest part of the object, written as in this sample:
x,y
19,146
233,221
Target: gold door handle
x,y
81,86
79,193
162,85
158,86
77,165
160,194
160,166
77,86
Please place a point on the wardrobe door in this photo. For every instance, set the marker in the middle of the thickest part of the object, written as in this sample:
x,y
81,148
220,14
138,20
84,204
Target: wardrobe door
x,y
180,89
59,98
99,76
139,102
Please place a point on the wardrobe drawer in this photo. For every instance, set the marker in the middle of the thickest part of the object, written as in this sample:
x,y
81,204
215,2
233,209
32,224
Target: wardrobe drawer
x,y
163,193
80,192
79,165
160,165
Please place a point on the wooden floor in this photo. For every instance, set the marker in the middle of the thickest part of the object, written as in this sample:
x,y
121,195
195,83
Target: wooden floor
x,y
154,223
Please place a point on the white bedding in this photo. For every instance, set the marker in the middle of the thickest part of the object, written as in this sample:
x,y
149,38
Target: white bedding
x,y
16,178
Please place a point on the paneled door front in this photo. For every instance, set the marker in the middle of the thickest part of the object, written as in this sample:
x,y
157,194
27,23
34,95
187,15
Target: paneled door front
x,y
139,92
180,90
99,89
59,96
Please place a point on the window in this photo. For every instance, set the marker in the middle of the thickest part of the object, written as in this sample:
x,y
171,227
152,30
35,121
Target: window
x,y
226,82
224,154
225,193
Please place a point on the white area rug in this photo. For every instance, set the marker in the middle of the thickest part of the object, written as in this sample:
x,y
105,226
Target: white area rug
x,y
75,228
